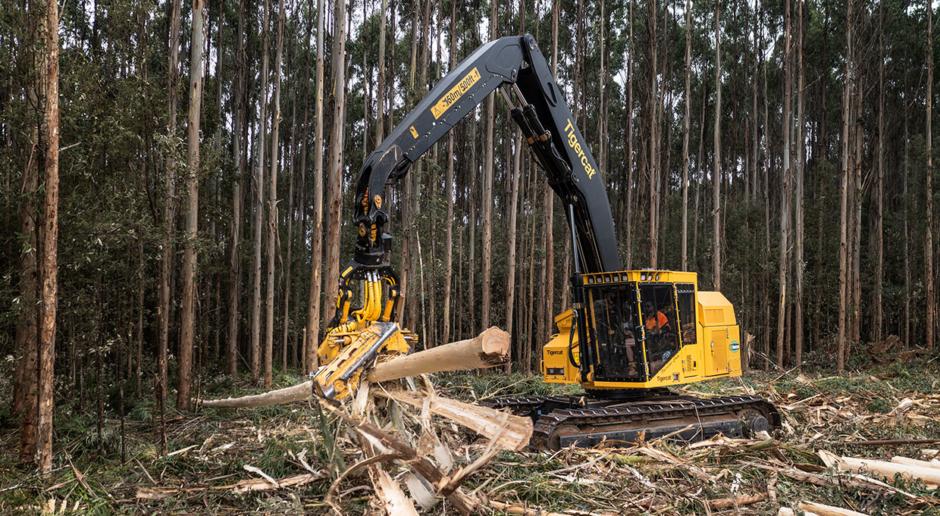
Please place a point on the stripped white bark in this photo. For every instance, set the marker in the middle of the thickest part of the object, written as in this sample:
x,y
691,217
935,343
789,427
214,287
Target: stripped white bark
x,y
508,431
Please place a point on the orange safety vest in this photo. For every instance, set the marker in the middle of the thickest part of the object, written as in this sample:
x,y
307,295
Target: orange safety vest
x,y
658,321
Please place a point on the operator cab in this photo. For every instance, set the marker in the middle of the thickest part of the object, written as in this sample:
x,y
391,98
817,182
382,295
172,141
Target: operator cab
x,y
644,329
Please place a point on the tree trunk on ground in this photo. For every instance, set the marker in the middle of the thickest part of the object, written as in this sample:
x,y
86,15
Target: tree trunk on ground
x,y
489,348
335,159
258,183
272,202
188,305
716,174
165,304
316,265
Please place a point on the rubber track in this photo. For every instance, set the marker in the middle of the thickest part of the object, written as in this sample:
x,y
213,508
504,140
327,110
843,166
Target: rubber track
x,y
639,412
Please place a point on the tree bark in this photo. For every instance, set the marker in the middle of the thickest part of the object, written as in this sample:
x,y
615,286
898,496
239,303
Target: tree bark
x,y
335,159
380,88
488,145
449,189
843,201
240,119
316,264
928,191
164,305
258,189
783,247
879,185
685,135
188,306
272,202
716,174
798,212
49,134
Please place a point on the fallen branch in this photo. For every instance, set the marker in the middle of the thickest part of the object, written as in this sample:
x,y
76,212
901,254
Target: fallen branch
x,y
408,455
826,510
244,486
736,501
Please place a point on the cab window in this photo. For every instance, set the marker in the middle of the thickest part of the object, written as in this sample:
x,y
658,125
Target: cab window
x,y
686,302
658,312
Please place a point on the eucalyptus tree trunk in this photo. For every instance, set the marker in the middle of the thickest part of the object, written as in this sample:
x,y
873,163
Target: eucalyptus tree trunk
x,y
879,186
272,202
449,183
488,145
258,183
685,135
798,211
844,200
928,189
783,248
316,264
164,304
548,197
48,264
240,120
628,215
380,87
716,174
335,158
653,161
188,305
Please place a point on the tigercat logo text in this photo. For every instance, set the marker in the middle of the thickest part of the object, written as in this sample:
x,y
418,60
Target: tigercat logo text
x,y
579,150
553,353
452,96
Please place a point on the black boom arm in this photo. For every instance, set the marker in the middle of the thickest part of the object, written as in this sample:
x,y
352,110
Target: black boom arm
x,y
538,107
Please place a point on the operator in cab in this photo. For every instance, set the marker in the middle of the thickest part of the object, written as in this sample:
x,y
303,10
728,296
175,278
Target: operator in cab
x,y
655,320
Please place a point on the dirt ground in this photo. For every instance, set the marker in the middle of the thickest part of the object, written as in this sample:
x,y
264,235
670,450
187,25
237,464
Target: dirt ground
x,y
217,458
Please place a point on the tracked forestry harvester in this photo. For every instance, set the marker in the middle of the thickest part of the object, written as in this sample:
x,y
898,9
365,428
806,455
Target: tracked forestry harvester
x,y
629,336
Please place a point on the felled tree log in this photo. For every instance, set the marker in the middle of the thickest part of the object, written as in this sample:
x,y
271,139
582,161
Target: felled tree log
x,y
507,431
488,349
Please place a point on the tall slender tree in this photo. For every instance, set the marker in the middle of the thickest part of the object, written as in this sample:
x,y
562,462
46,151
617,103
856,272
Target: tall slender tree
x,y
188,305
928,191
48,265
488,145
335,158
316,266
716,173
685,135
258,189
272,200
169,207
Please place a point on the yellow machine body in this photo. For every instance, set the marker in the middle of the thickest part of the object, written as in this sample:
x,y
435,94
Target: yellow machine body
x,y
703,343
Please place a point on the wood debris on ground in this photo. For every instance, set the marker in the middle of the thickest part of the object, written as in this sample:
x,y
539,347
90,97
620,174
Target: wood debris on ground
x,y
390,434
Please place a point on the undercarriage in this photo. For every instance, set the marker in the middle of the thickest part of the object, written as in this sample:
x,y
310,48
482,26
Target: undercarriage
x,y
588,420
